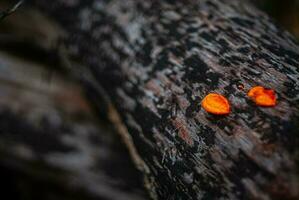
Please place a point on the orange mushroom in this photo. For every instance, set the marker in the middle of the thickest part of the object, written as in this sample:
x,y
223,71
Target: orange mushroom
x,y
262,96
216,104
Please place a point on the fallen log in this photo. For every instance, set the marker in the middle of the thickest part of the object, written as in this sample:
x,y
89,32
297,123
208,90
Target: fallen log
x,y
152,62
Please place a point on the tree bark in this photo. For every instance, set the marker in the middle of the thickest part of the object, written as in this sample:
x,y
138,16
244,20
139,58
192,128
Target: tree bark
x,y
152,62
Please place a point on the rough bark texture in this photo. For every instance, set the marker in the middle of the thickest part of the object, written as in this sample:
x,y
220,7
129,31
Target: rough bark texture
x,y
155,61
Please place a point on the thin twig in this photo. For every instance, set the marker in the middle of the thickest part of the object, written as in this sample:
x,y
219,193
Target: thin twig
x,y
7,12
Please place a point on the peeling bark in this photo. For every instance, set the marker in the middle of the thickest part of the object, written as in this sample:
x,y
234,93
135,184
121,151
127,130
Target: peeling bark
x,y
156,60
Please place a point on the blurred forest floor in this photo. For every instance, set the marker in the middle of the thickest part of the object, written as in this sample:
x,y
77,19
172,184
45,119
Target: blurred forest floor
x,y
286,13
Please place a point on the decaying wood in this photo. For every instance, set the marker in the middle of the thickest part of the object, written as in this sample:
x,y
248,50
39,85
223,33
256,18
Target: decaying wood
x,y
51,144
153,62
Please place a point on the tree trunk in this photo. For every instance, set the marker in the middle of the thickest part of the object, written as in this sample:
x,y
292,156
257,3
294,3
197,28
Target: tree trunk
x,y
150,63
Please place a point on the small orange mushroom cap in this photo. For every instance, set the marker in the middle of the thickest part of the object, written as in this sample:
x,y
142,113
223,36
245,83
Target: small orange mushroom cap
x,y
262,96
216,104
